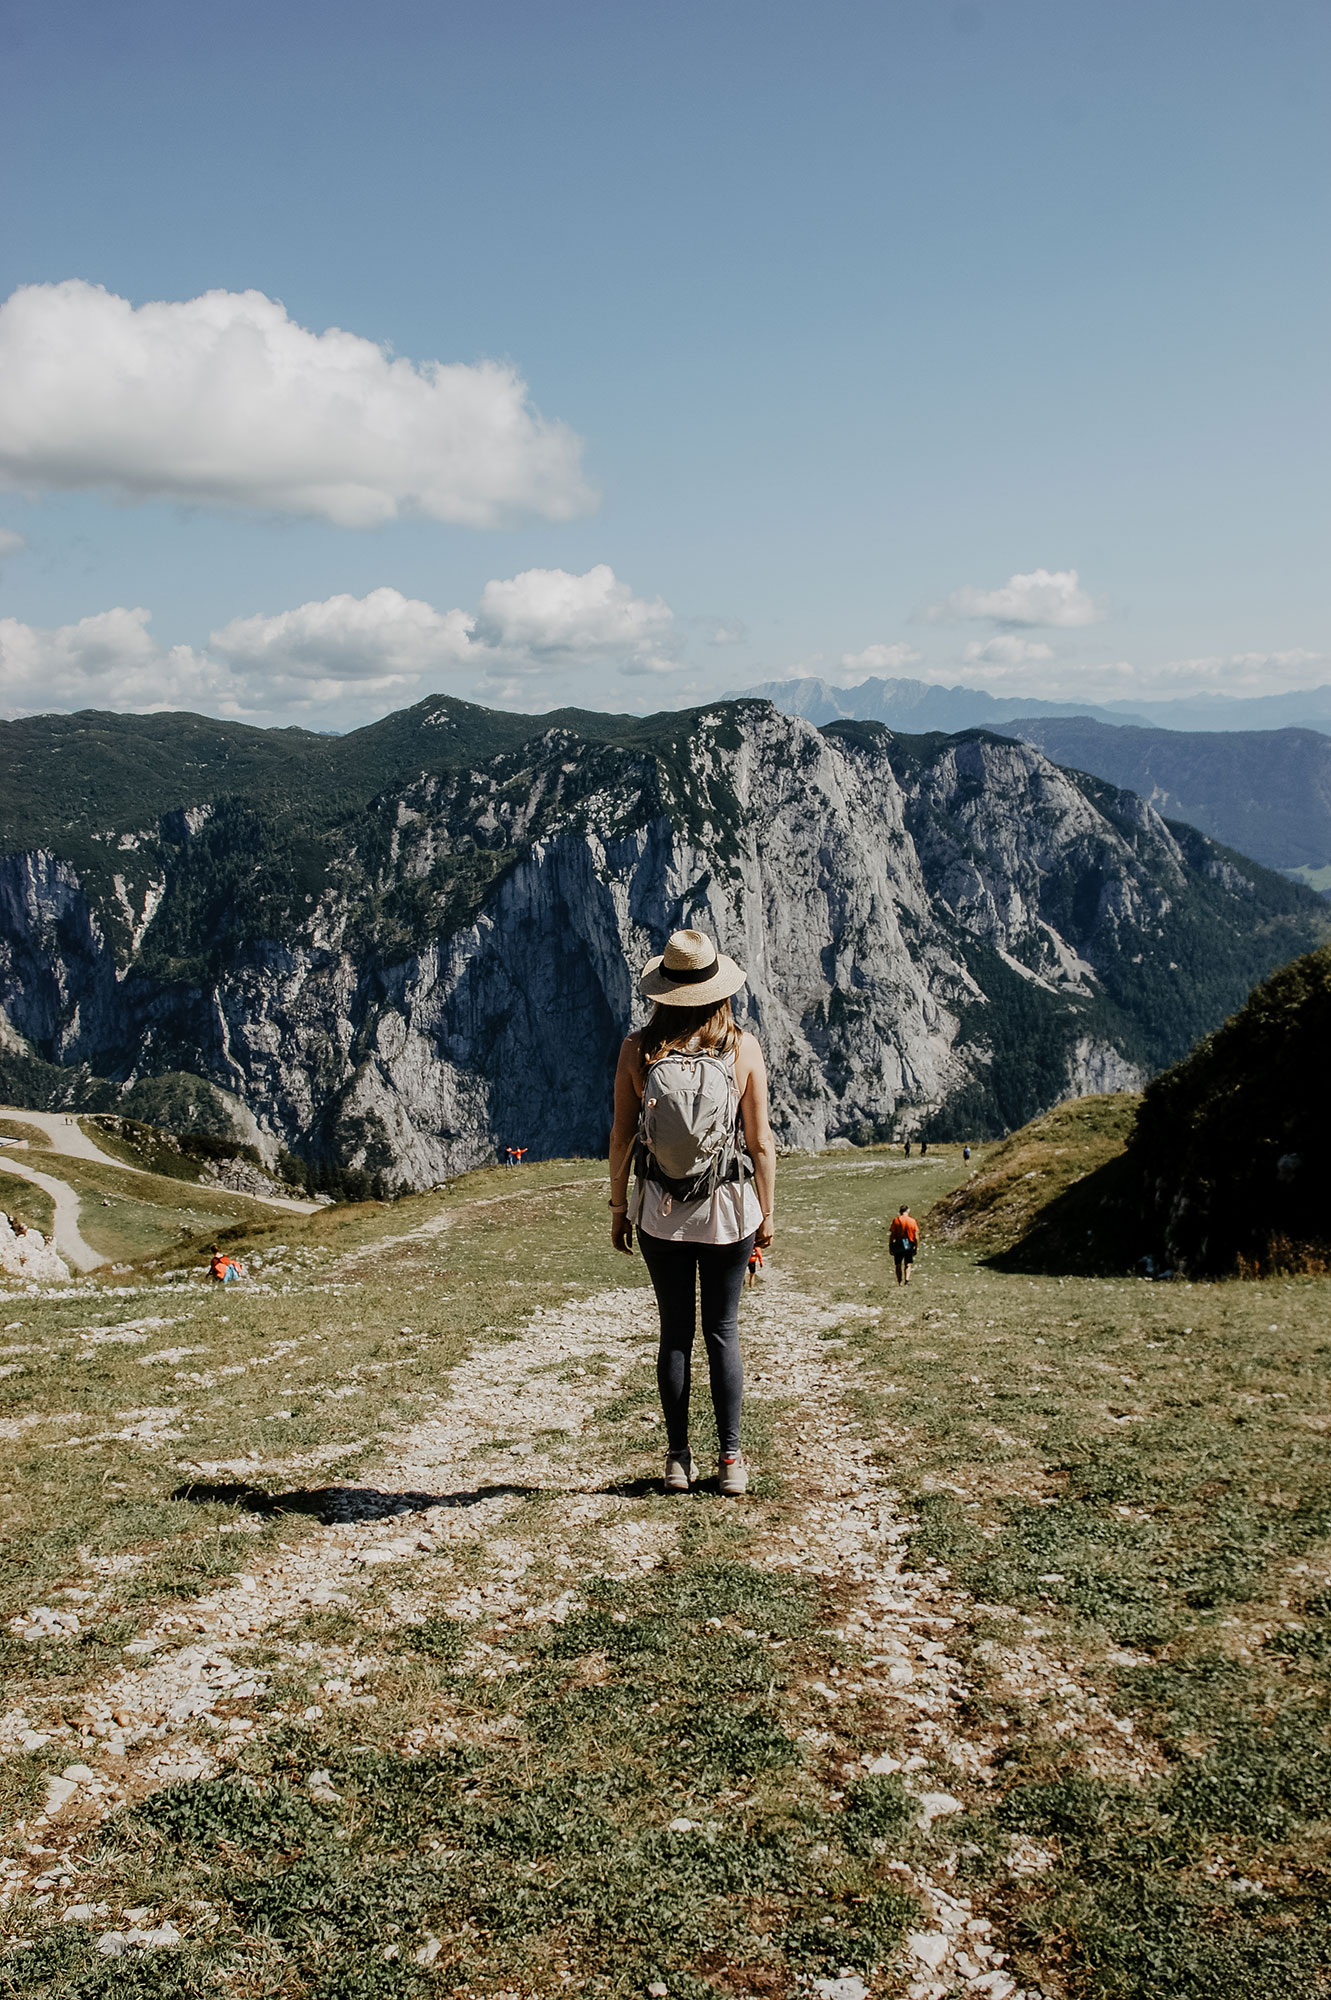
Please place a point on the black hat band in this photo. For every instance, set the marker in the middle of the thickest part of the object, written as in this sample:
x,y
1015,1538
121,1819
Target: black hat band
x,y
693,977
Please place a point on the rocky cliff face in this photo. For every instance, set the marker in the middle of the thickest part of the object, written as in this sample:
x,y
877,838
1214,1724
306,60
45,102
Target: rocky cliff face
x,y
1267,792
947,933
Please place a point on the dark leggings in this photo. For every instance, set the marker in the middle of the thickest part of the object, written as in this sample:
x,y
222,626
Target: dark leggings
x,y
679,1271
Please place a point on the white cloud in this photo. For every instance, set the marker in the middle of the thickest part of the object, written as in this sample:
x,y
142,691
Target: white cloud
x,y
11,543
547,616
381,639
1005,652
880,659
1041,597
107,661
343,659
224,401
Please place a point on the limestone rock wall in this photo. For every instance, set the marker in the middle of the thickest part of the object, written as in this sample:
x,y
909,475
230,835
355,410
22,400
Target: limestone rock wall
x,y
897,904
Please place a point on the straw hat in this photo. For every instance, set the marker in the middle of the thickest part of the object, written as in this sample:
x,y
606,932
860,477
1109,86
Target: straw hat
x,y
691,972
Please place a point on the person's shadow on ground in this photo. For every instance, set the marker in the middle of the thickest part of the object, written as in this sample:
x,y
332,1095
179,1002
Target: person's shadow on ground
x,y
334,1504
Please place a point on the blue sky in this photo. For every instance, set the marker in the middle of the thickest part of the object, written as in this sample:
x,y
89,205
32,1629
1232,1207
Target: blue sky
x,y
867,318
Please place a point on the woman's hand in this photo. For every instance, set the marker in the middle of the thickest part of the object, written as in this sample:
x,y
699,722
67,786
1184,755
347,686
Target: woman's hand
x,y
621,1233
763,1234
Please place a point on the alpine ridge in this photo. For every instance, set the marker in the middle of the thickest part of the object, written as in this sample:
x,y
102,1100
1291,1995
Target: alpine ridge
x,y
404,947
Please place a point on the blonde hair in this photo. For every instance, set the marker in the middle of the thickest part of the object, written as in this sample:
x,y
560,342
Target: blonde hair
x,y
712,1028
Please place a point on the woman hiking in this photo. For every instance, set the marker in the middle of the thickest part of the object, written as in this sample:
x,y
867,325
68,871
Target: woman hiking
x,y
687,1085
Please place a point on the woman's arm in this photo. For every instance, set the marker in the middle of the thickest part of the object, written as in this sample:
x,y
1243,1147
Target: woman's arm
x,y
628,1101
758,1135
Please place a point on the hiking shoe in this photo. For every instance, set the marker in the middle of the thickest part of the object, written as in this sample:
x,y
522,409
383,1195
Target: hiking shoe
x,y
732,1476
679,1471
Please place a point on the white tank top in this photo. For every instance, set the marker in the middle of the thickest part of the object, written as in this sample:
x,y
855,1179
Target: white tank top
x,y
727,1216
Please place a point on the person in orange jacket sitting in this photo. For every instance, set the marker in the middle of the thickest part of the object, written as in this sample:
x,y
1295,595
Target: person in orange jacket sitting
x,y
224,1270
903,1240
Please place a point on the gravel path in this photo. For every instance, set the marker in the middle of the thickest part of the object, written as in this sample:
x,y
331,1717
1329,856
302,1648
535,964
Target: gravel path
x,y
67,1136
65,1234
519,1416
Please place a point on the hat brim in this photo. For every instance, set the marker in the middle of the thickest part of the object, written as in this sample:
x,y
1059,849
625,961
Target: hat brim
x,y
657,984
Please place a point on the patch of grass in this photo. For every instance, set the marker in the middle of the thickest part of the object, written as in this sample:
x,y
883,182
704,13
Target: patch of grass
x,y
553,1852
1130,1478
31,1135
32,1206
1134,1476
1054,1195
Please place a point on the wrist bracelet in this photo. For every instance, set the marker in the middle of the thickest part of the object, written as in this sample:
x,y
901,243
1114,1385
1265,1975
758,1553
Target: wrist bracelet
x,y
618,1207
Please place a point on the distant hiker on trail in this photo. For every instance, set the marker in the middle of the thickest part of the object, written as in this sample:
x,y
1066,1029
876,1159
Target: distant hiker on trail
x,y
519,1155
509,1160
691,1118
755,1265
965,1152
224,1270
908,1149
903,1240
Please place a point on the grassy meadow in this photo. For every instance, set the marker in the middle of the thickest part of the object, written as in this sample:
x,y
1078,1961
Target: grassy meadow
x,y
584,1738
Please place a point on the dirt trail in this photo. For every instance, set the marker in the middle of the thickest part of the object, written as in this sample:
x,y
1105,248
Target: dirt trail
x,y
65,1235
68,1136
519,1416
851,1534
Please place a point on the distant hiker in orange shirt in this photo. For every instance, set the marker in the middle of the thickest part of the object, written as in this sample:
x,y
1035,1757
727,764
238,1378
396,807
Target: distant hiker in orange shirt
x,y
519,1155
903,1240
755,1265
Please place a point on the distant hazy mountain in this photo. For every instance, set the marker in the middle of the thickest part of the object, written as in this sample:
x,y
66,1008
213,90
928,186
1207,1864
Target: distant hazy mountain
x,y
1265,791
919,706
1306,708
915,706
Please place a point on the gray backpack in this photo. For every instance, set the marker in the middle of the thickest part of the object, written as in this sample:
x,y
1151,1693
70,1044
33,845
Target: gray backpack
x,y
689,1127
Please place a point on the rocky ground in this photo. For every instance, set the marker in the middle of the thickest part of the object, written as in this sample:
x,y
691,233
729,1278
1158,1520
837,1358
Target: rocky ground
x,y
491,1530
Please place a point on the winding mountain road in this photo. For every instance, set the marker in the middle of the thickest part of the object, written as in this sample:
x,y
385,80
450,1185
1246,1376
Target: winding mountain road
x,y
65,1233
67,1136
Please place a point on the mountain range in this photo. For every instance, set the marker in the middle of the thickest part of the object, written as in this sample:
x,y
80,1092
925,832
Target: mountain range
x,y
923,705
402,947
1263,789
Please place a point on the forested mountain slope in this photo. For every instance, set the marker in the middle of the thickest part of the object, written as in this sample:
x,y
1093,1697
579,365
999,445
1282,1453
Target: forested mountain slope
x,y
402,946
1266,792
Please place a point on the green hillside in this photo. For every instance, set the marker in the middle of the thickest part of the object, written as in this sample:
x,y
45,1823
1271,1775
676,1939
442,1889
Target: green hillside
x,y
64,777
1055,1196
1216,1171
1230,1144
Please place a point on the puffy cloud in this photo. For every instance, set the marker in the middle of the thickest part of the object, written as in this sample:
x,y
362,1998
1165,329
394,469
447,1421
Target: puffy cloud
x,y
381,639
343,659
1005,652
545,616
1041,597
224,401
11,543
106,661
880,659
